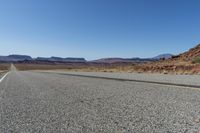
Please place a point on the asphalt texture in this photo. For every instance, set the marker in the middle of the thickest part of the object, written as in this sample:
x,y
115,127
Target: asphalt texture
x,y
32,102
192,80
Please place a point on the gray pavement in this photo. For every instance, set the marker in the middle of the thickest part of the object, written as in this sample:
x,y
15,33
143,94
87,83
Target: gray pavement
x,y
33,102
165,78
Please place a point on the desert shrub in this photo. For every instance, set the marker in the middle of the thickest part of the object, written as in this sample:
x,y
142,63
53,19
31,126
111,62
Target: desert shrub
x,y
196,60
4,66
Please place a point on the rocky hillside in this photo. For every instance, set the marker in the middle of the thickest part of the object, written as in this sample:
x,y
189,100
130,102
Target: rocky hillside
x,y
190,55
185,63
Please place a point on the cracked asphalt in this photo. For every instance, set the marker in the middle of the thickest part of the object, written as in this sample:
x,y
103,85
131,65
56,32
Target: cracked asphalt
x,y
32,102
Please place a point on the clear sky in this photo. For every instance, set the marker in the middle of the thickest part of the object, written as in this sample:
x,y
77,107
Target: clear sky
x,y
98,28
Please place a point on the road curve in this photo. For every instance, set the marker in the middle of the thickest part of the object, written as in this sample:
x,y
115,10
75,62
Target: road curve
x,y
39,102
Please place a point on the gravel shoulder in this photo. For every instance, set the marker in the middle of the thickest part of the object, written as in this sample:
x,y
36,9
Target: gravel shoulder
x,y
174,79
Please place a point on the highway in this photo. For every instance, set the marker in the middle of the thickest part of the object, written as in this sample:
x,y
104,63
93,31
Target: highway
x,y
37,102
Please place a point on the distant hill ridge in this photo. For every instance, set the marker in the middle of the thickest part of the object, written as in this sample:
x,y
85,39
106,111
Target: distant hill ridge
x,y
16,58
13,58
69,59
115,60
163,56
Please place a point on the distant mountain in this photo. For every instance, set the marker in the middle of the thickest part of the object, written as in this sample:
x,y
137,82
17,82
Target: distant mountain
x,y
14,58
48,59
59,59
122,60
163,56
74,59
133,60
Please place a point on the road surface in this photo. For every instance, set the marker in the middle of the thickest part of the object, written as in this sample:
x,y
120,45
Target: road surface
x,y
32,102
192,80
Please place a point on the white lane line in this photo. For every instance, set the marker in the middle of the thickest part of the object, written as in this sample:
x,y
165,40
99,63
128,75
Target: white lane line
x,y
3,77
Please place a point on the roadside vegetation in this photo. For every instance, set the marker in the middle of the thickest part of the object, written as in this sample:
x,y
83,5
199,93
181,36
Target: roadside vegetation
x,y
4,67
76,67
127,68
196,60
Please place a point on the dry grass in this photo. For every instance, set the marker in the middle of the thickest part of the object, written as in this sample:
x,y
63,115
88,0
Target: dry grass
x,y
164,68
41,67
4,67
76,67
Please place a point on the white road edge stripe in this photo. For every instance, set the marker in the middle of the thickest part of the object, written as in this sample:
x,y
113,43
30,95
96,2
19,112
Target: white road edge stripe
x,y
3,77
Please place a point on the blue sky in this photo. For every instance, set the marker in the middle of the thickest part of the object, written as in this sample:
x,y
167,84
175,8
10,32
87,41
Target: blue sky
x,y
98,28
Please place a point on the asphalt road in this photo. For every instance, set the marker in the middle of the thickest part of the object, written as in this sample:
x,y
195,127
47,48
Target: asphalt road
x,y
32,102
192,80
